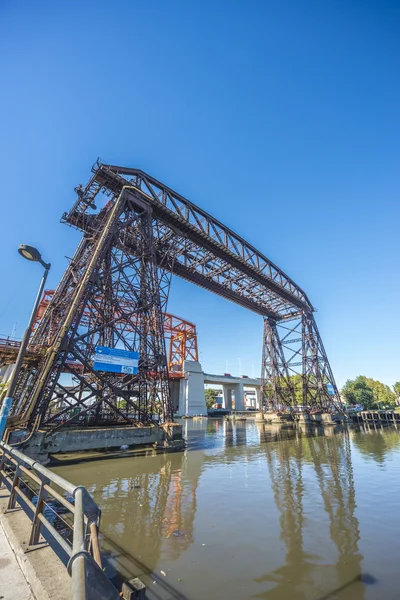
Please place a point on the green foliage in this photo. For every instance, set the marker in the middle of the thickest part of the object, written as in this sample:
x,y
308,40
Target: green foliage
x,y
396,388
371,394
377,444
357,391
296,383
211,397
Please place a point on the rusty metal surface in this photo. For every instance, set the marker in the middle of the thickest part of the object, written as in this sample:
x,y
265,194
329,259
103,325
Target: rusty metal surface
x,y
180,336
136,233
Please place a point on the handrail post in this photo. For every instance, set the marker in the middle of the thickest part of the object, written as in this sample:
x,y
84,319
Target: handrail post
x,y
36,523
94,543
92,513
77,561
89,581
13,495
2,465
78,544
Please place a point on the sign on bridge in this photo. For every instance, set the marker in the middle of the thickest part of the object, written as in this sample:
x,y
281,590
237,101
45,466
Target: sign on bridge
x,y
115,360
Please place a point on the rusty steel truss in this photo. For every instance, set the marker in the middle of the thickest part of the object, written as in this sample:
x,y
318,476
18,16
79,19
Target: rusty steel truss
x,y
136,233
180,336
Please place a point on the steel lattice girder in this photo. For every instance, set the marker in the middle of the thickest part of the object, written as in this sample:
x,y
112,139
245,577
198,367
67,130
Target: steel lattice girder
x,y
210,255
206,252
141,234
295,367
180,335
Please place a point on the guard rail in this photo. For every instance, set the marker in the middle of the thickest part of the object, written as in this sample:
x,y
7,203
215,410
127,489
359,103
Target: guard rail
x,y
33,486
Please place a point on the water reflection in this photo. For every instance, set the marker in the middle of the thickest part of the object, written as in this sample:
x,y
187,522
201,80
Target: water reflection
x,y
149,515
247,511
377,441
330,457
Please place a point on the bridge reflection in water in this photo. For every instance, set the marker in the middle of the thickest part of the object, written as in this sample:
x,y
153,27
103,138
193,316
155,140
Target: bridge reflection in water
x,y
290,469
247,511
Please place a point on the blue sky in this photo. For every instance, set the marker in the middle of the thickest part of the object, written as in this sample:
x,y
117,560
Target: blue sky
x,y
281,118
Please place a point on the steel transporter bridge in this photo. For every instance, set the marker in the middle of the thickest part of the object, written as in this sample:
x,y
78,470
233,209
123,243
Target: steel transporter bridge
x,y
137,232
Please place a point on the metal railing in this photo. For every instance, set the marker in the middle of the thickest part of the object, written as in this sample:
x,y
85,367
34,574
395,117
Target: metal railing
x,y
71,522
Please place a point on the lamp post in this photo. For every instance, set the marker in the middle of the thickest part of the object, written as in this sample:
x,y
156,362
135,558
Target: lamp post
x,y
30,253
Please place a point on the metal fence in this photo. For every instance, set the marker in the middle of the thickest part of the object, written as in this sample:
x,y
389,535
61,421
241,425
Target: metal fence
x,y
64,514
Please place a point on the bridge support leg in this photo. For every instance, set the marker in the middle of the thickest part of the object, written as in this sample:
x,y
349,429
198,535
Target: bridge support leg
x,y
319,387
192,399
277,384
112,295
258,398
239,396
295,368
227,397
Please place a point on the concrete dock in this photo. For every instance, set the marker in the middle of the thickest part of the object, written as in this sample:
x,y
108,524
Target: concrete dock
x,y
384,417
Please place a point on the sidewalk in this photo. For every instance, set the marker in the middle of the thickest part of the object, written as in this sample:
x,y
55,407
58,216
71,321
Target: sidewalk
x,y
47,576
12,581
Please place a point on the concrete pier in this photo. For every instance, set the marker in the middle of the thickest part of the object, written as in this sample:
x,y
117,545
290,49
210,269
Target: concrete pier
x,y
42,444
385,417
188,393
302,418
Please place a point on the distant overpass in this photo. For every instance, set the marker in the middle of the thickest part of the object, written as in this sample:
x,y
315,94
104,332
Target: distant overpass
x,y
188,393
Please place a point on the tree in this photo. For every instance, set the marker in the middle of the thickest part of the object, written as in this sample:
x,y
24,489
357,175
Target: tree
x,y
384,397
396,388
369,393
296,385
211,397
357,391
378,444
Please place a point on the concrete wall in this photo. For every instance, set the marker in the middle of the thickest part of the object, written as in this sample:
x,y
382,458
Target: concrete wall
x,y
78,440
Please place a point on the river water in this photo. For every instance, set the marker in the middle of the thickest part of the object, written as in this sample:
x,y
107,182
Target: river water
x,y
254,511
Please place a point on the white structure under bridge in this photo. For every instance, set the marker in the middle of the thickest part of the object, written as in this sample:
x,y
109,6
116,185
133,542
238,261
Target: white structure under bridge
x,y
188,393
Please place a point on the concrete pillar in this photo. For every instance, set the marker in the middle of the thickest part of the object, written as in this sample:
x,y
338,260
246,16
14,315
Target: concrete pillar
x,y
180,397
194,394
175,385
227,394
239,396
258,405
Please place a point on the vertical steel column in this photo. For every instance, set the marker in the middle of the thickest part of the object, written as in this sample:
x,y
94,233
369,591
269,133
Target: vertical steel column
x,y
276,385
317,373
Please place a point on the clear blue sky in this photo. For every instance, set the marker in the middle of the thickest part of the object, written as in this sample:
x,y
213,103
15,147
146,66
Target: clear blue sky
x,y
281,118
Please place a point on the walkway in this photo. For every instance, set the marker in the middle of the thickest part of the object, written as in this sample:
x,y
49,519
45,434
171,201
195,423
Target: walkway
x,y
13,584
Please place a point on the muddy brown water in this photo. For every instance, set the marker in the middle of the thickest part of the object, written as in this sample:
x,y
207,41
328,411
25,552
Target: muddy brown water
x,y
254,511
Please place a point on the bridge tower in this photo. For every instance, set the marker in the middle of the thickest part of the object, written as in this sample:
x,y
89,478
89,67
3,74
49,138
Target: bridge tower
x,y
295,367
113,296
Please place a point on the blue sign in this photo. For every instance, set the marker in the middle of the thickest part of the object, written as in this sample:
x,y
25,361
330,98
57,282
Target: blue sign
x,y
115,360
330,389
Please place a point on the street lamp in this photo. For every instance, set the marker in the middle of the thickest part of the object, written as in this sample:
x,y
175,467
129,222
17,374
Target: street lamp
x,y
33,254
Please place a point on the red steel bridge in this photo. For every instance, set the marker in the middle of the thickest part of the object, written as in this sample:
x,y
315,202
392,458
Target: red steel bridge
x,y
137,232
